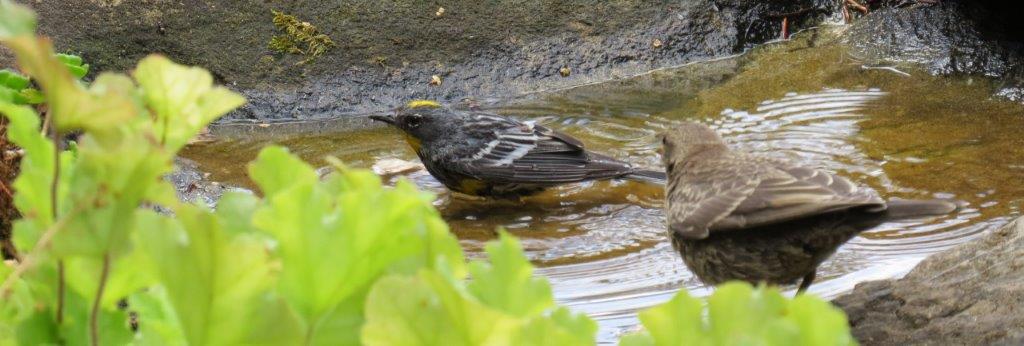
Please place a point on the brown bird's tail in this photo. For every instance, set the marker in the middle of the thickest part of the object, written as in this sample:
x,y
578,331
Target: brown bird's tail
x,y
907,208
647,176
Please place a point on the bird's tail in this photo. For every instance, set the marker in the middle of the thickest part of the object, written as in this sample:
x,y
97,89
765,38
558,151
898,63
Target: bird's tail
x,y
907,208
647,176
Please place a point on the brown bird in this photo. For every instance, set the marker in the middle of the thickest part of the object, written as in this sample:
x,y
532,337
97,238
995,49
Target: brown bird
x,y
714,193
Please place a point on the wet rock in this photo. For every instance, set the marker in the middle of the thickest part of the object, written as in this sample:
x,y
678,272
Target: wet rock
x,y
972,294
951,37
387,51
193,185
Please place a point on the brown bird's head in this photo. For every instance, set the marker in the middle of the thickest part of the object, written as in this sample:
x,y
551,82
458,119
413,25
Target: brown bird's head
x,y
682,142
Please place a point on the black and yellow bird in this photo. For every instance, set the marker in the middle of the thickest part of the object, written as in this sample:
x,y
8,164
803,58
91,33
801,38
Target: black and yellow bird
x,y
490,155
740,216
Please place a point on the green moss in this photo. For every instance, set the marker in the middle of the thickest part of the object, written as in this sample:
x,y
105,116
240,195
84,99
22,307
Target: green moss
x,y
300,38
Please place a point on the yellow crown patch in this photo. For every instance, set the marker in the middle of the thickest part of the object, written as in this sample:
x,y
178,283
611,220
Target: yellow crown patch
x,y
422,104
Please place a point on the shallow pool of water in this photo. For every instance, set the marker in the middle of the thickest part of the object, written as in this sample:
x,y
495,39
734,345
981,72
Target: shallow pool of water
x,y
602,245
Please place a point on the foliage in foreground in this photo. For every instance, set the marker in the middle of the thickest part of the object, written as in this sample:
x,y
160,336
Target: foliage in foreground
x,y
340,260
336,261
738,314
16,88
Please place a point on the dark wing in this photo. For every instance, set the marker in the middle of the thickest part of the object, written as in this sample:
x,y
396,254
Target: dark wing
x,y
788,191
740,191
524,153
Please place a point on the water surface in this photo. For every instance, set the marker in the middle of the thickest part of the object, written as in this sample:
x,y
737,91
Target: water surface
x,y
602,244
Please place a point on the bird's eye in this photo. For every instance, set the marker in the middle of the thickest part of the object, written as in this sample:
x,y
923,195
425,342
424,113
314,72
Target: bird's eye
x,y
413,120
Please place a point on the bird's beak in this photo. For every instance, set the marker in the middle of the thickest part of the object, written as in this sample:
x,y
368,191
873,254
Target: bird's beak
x,y
389,119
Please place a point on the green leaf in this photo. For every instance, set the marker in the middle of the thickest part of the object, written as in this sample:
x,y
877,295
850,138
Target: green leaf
x,y
183,99
112,324
335,238
736,307
637,339
561,328
33,184
125,277
13,80
15,20
31,96
214,280
159,325
507,283
275,169
74,64
738,314
69,59
75,108
428,309
820,323
676,322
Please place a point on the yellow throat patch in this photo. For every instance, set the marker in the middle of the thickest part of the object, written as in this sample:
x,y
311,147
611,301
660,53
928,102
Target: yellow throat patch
x,y
413,142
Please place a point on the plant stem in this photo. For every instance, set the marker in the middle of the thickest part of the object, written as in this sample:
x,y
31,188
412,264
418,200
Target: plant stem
x,y
94,315
32,256
60,292
53,206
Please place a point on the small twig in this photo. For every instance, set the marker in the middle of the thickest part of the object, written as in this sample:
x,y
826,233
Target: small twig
x,y
53,206
94,315
6,190
785,28
46,124
887,68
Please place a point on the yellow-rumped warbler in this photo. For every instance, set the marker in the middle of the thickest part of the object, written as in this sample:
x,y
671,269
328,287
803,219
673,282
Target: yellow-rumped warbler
x,y
495,156
715,196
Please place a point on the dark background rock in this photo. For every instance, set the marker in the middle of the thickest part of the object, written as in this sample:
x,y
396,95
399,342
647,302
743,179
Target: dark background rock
x,y
480,49
972,294
950,38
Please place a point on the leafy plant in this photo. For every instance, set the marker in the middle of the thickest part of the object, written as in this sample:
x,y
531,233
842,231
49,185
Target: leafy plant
x,y
738,314
301,38
503,305
295,264
16,88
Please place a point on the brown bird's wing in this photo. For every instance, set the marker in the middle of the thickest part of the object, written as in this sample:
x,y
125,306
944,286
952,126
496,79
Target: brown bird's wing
x,y
741,191
524,153
701,195
787,191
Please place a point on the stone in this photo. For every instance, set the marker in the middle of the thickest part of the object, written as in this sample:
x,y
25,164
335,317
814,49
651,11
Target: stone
x,y
950,38
972,294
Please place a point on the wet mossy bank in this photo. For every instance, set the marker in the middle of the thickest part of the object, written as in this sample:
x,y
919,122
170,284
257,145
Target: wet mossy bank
x,y
388,51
